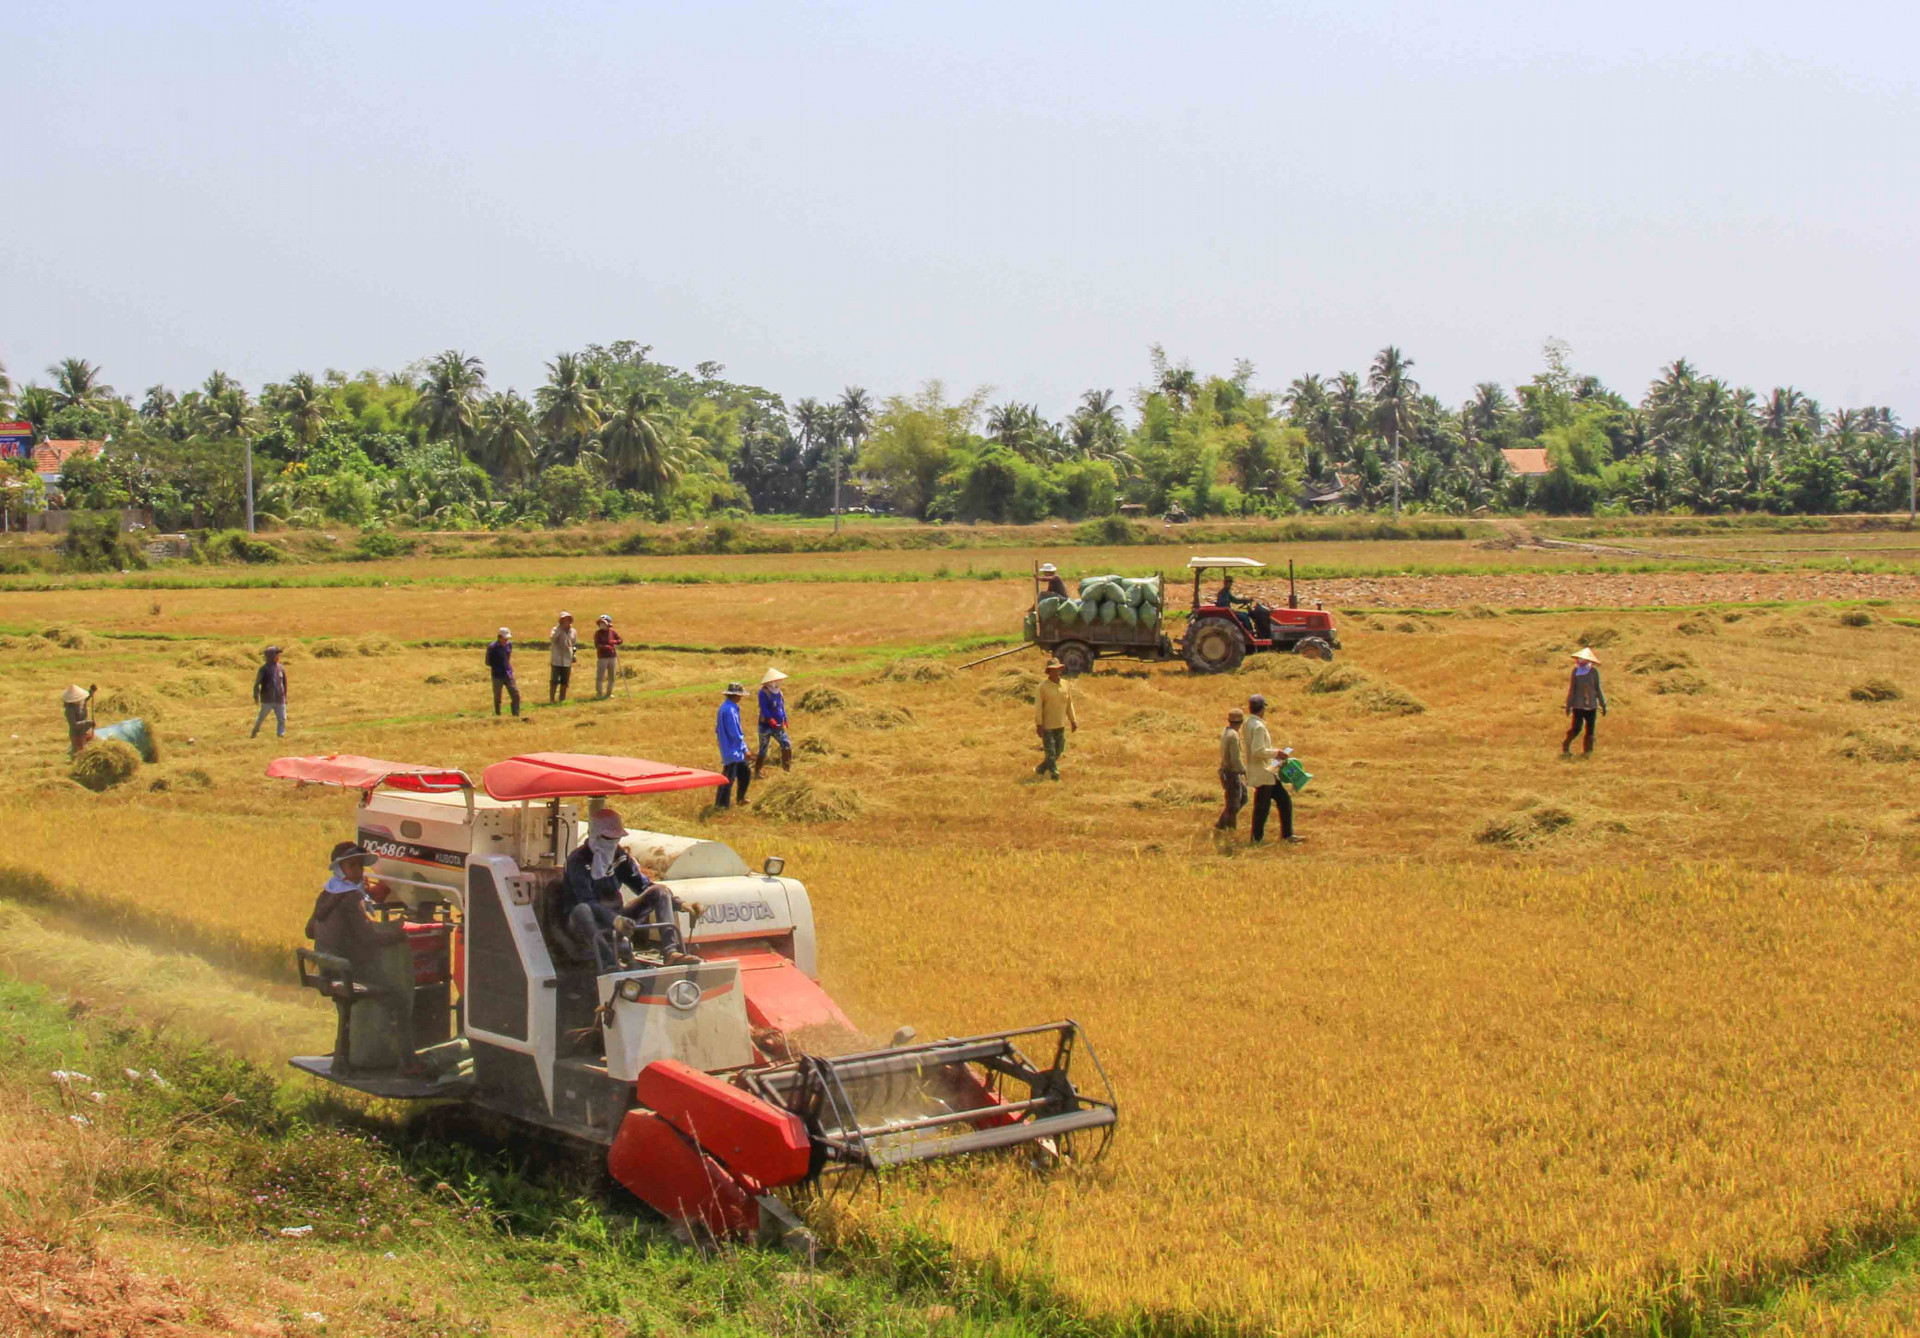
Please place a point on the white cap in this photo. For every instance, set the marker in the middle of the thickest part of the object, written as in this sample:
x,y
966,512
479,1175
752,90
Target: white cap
x,y
1048,569
565,614
505,632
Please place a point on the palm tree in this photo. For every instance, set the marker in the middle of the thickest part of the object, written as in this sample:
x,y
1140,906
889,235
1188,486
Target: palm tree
x,y
158,403
1394,394
231,413
1347,410
569,405
1489,407
304,405
504,434
77,384
36,406
1179,385
217,384
448,392
638,441
856,421
6,390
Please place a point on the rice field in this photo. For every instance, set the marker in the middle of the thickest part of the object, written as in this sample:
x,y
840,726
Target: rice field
x,y
1512,1044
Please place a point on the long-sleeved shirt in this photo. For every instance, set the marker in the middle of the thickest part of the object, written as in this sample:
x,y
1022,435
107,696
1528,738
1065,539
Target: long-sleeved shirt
x,y
560,647
1232,756
606,642
1225,598
1056,586
1263,762
500,659
773,708
583,889
1053,706
1583,692
726,728
341,927
270,684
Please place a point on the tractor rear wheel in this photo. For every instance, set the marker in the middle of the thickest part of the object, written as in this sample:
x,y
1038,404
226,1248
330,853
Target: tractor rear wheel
x,y
1076,657
1215,646
1314,648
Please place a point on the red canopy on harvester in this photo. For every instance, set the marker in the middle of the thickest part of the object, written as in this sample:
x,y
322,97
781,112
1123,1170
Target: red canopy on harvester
x,y
570,775
353,772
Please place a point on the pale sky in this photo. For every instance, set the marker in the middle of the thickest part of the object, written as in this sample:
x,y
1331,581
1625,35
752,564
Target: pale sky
x,y
1019,195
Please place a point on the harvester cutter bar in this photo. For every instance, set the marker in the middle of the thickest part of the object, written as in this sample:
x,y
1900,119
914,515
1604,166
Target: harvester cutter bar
x,y
938,1088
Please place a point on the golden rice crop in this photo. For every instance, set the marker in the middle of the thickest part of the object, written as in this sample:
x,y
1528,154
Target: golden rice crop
x,y
1397,1080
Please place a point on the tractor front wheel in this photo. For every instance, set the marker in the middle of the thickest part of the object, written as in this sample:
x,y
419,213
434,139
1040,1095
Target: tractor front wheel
x,y
1215,646
1076,657
1314,648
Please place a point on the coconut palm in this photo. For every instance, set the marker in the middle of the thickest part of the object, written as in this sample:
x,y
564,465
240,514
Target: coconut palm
x,y
36,406
504,436
1489,408
569,407
1394,397
303,404
77,384
639,440
159,402
1347,412
449,390
231,413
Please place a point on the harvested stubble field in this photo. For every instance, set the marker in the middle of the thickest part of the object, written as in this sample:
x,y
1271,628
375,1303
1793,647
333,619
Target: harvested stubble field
x,y
1511,1045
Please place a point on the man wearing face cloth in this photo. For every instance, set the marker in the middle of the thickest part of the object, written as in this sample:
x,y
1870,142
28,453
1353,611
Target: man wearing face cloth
x,y
596,871
342,925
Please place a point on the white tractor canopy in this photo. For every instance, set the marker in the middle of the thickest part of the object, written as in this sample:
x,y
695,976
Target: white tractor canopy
x,y
1197,563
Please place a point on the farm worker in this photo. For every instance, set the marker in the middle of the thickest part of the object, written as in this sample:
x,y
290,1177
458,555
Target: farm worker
x,y
1584,697
1052,717
342,926
606,655
1054,586
78,703
773,722
1233,772
1263,773
596,871
733,749
561,645
270,690
1224,596
500,665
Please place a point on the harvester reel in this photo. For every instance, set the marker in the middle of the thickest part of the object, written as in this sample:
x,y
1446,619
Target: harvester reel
x,y
1215,646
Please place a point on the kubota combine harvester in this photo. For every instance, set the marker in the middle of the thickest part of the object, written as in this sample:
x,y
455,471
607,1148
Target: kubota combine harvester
x,y
712,1084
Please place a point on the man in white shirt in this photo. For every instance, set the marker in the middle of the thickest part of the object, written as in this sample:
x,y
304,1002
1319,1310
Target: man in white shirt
x,y
561,648
1263,773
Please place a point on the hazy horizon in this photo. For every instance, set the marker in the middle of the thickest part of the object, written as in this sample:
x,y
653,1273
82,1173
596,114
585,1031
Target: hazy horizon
x,y
1016,197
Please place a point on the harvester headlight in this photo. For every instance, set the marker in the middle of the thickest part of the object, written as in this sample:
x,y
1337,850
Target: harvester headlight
x,y
628,990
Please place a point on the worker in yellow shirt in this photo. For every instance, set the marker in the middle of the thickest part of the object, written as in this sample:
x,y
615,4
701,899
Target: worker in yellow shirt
x,y
1052,718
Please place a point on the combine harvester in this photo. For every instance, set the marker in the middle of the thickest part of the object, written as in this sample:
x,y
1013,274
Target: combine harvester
x,y
710,1085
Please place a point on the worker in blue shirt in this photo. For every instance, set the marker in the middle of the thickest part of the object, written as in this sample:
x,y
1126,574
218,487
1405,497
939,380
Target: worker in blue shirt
x,y
733,750
773,722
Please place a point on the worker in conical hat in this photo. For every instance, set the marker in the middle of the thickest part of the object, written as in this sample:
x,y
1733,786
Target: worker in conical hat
x,y
773,722
78,703
1584,700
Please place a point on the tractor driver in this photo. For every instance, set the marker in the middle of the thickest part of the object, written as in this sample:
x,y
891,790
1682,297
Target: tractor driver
x,y
341,927
596,871
1054,586
1225,598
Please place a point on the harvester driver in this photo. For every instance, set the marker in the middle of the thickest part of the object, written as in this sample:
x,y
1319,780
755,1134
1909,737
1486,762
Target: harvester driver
x,y
341,927
596,871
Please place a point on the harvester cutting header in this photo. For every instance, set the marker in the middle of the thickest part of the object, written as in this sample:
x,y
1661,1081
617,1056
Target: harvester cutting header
x,y
702,1054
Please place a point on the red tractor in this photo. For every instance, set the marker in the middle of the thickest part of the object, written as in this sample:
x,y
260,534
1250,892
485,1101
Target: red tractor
x,y
1220,635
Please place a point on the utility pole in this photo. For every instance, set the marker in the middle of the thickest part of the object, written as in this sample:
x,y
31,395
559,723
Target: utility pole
x,y
837,453
249,441
1913,436
1396,473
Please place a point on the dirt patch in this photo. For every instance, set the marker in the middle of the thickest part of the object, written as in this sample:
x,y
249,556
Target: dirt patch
x,y
78,1294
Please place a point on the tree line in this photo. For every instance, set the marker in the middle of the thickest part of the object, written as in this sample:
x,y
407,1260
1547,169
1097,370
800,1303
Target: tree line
x,y
613,434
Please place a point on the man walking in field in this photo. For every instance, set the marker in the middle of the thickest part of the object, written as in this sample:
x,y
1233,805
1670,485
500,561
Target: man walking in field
x,y
561,647
1233,772
1584,699
733,750
500,665
270,690
1263,774
606,656
773,722
1052,717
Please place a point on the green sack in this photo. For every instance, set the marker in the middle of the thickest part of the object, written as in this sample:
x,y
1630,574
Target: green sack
x,y
1126,614
1029,627
1108,612
1050,606
1292,773
1068,613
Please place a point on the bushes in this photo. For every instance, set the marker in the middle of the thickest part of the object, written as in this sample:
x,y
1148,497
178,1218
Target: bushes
x,y
237,546
94,542
374,545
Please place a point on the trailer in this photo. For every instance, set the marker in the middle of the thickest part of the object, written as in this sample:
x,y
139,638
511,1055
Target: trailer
x,y
713,1085
1216,638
